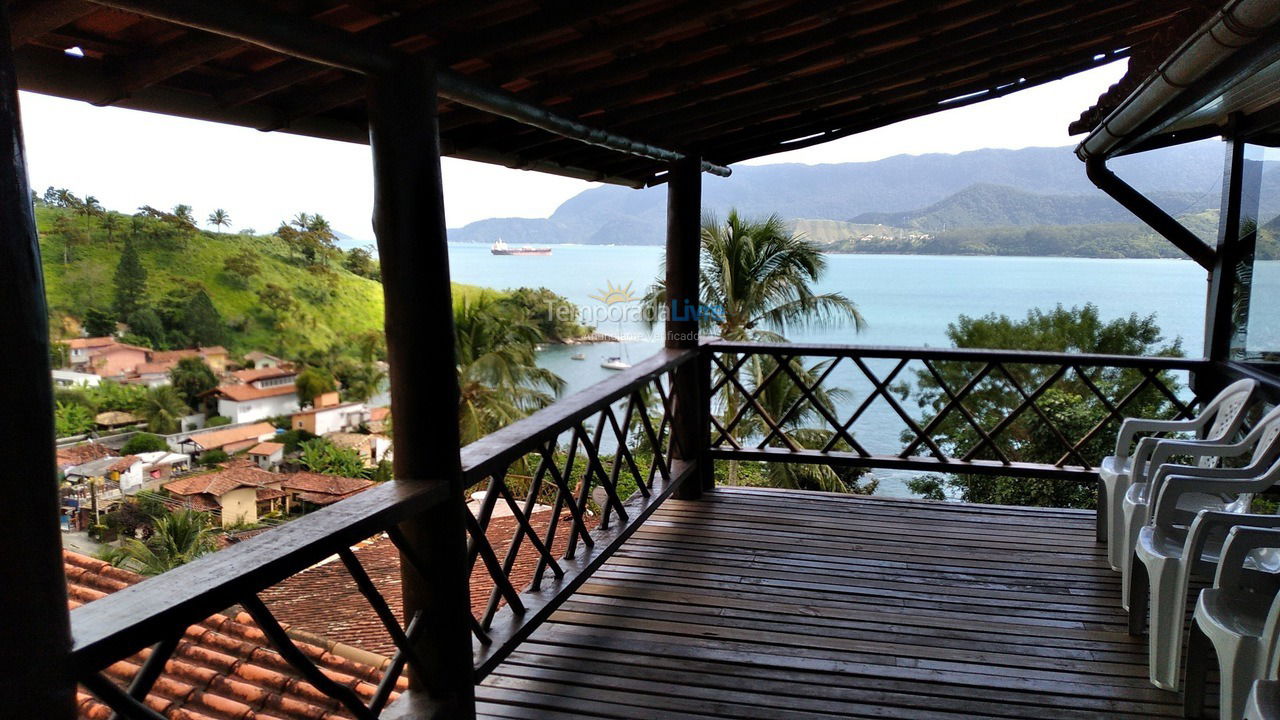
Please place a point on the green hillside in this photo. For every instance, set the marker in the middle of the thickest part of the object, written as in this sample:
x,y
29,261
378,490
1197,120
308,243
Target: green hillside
x,y
330,305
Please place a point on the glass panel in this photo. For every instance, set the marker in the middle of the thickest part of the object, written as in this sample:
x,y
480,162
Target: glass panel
x,y
1256,305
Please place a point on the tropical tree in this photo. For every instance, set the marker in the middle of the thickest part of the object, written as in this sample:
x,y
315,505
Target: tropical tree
x,y
88,209
321,456
192,377
176,539
498,375
757,283
360,380
130,282
143,442
71,419
220,218
111,223
242,266
185,215
163,410
1068,408
311,383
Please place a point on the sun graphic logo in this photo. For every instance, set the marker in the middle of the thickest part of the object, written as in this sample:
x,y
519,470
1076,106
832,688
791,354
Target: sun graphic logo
x,y
613,294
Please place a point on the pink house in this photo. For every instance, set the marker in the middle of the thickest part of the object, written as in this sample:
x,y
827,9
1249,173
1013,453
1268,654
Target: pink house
x,y
117,359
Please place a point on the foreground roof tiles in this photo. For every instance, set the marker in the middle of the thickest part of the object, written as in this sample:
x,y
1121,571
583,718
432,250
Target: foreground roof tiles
x,y
324,600
218,438
224,668
221,482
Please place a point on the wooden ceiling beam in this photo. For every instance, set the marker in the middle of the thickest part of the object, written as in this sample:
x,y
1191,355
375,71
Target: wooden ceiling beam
x,y
29,19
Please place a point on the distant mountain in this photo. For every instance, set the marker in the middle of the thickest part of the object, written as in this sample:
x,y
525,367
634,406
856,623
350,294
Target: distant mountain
x,y
899,184
987,205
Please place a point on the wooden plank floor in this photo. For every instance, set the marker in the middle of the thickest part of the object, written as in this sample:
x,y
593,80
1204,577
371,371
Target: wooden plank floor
x,y
756,603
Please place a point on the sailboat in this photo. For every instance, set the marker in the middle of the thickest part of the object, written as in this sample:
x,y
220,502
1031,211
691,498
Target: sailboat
x,y
578,356
615,363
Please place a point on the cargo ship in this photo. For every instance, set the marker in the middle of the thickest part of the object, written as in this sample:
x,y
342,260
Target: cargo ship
x,y
501,248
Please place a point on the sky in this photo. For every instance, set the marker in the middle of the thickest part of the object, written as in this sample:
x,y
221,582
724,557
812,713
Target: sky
x,y
128,158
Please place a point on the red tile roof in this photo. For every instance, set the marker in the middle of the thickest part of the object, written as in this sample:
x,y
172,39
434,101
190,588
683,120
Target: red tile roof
x,y
323,489
80,454
254,374
242,393
218,438
91,342
324,599
221,482
224,669
379,413
173,356
266,448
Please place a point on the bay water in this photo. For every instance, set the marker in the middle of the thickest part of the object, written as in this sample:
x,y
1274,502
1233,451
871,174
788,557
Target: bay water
x,y
907,300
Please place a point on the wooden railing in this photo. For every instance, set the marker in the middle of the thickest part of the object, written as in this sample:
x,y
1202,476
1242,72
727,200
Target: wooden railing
x,y
579,477
615,436
959,410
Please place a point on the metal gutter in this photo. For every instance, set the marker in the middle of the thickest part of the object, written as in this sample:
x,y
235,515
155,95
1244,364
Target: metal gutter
x,y
1233,27
1149,213
297,37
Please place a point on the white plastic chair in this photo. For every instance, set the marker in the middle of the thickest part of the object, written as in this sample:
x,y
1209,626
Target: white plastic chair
x,y
1238,618
1115,470
1264,699
1169,554
1264,442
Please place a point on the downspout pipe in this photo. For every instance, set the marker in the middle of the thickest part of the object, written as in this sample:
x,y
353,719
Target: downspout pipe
x,y
1149,213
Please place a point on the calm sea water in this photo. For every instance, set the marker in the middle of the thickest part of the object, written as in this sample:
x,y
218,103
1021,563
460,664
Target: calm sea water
x,y
907,300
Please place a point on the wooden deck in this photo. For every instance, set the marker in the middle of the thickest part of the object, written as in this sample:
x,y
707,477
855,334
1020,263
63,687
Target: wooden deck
x,y
758,603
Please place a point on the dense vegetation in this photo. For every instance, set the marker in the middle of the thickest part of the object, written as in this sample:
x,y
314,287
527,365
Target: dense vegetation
x,y
1068,405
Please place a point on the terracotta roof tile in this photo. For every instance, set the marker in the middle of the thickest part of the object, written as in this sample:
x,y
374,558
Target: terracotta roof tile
x,y
324,600
309,482
222,670
266,448
255,374
91,342
80,454
221,482
218,438
241,393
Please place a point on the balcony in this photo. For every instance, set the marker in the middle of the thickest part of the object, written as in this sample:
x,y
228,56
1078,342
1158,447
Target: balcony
x,y
735,601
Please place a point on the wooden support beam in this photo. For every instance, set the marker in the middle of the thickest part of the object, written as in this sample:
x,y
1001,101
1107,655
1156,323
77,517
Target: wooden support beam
x,y
409,222
29,19
1237,236
683,308
35,636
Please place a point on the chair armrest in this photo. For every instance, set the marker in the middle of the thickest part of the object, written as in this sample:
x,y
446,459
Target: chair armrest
x,y
1130,428
1167,448
1165,504
1168,470
1209,520
1242,540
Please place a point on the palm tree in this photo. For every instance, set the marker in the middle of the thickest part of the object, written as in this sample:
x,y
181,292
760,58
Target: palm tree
x,y
110,223
185,214
88,208
498,373
163,410
757,283
220,218
178,538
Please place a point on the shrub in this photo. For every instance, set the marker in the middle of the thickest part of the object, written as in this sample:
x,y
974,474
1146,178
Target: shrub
x,y
217,421
213,457
144,442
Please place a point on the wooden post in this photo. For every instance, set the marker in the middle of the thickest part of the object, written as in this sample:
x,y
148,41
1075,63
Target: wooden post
x,y
409,221
35,637
684,252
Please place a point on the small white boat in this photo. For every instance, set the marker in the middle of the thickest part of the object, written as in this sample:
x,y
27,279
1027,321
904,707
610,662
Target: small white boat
x,y
615,363
578,356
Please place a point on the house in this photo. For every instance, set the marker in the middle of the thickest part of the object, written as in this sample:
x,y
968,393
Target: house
x,y
229,440
259,360
72,378
160,466
316,489
371,448
224,666
379,419
106,478
71,455
236,493
329,416
79,349
267,455
257,394
215,357
117,360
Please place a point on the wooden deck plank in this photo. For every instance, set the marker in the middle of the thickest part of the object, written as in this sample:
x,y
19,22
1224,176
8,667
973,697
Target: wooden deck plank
x,y
757,603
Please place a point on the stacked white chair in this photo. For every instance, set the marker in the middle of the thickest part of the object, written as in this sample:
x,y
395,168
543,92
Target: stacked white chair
x,y
1262,441
1169,554
1116,471
1238,618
